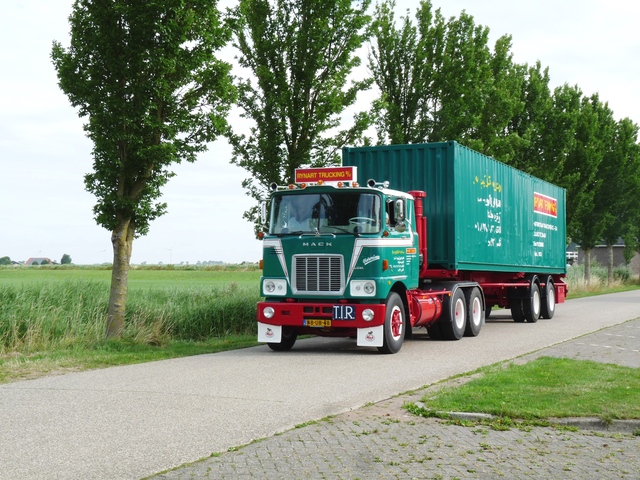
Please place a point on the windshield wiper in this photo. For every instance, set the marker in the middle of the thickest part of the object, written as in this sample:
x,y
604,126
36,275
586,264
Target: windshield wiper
x,y
357,234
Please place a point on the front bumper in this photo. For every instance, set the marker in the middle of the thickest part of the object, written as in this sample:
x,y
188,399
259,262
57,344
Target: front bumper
x,y
299,314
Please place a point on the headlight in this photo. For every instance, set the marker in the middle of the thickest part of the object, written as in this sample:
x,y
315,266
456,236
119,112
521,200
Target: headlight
x,y
367,315
363,288
268,312
273,287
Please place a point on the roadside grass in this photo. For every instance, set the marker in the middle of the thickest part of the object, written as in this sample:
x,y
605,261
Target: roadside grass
x,y
17,366
544,388
52,319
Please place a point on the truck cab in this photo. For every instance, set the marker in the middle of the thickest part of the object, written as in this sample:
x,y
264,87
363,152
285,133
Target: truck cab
x,y
338,259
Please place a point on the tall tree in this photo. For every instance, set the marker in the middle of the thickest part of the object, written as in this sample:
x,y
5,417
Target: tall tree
x,y
439,81
536,151
146,77
404,63
593,133
300,54
463,80
500,102
617,196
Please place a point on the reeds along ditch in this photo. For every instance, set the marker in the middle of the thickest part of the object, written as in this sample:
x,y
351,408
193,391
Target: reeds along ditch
x,y
44,316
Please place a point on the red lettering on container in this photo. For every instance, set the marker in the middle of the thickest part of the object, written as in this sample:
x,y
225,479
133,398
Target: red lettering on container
x,y
545,205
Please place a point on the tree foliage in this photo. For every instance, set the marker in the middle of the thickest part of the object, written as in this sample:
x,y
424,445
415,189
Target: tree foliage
x,y
439,81
66,259
5,261
145,76
298,55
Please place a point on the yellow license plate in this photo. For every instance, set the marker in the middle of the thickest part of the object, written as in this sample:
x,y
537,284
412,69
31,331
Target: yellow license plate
x,y
312,322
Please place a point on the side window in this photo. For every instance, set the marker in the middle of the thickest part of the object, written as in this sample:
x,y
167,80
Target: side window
x,y
389,214
396,211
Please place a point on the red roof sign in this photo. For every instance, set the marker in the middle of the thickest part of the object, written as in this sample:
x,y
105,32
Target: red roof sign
x,y
327,174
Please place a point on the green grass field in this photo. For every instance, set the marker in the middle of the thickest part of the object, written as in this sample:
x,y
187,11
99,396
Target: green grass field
x,y
53,318
181,278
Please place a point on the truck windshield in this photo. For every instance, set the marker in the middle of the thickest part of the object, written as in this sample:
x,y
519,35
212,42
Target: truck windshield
x,y
337,212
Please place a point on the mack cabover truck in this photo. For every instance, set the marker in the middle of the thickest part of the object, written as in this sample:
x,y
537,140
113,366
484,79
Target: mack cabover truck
x,y
404,236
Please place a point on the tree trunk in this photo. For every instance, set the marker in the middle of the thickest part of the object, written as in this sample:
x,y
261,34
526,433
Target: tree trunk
x,y
610,264
587,266
122,240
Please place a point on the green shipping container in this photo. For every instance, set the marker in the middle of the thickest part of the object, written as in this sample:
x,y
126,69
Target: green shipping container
x,y
481,214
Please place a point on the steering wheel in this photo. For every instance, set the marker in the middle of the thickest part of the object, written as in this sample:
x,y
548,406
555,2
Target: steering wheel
x,y
363,221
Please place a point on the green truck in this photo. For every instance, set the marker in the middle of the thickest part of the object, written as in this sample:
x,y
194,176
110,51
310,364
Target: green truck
x,y
404,236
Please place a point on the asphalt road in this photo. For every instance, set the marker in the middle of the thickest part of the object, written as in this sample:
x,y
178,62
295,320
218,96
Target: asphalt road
x,y
134,421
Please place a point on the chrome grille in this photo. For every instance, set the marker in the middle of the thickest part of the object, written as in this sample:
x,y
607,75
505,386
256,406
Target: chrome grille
x,y
318,274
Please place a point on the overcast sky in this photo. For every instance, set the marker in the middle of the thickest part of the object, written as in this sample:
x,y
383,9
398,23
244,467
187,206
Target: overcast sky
x,y
44,155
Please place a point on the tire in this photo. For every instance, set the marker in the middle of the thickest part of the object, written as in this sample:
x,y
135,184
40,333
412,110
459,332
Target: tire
x,y
454,322
548,307
289,337
531,304
434,331
395,324
475,312
516,310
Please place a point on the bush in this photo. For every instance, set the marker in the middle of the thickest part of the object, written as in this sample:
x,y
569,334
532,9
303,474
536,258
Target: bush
x,y
622,273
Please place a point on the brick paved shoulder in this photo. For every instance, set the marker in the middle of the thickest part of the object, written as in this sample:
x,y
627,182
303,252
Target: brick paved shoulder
x,y
384,442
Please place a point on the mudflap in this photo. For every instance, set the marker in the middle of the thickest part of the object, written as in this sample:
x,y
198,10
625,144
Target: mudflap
x,y
269,333
371,337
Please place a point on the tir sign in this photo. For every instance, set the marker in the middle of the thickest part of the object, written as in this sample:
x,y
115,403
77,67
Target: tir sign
x,y
344,312
328,174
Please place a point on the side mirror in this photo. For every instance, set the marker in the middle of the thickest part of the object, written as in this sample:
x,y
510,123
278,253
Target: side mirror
x,y
263,212
398,213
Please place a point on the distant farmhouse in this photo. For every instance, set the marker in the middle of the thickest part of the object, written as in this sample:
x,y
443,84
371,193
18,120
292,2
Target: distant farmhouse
x,y
38,261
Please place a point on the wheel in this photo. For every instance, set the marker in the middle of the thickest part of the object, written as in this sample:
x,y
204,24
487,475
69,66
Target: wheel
x,y
516,310
394,325
475,312
453,324
289,337
548,306
434,331
531,304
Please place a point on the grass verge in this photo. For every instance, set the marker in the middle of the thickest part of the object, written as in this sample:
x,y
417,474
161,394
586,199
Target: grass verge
x,y
20,366
544,388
